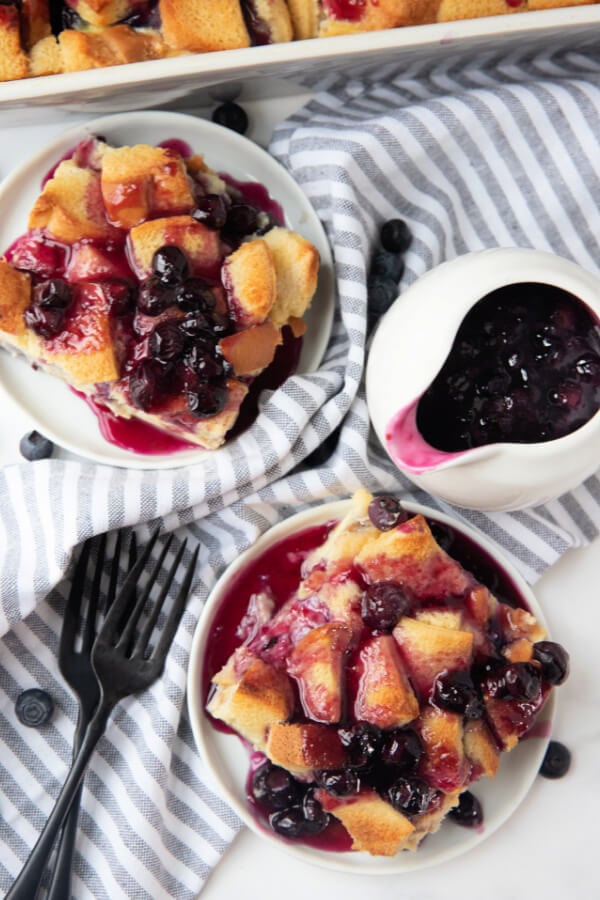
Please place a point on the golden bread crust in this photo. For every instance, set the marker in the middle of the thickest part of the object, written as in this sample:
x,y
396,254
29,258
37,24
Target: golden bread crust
x,y
301,748
249,278
253,703
141,181
70,206
374,825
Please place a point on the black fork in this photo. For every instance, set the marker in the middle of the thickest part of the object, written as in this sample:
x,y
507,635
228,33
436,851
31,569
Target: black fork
x,y
124,664
75,663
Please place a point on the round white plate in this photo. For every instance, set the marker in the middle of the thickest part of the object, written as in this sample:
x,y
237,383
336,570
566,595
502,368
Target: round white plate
x,y
227,760
60,414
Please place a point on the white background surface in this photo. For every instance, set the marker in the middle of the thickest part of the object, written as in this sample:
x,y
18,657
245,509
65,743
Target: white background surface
x,y
548,850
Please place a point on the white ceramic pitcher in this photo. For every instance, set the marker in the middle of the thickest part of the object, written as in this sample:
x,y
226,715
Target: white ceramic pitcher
x,y
411,344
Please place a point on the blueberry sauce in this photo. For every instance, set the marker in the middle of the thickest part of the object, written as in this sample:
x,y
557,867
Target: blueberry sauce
x,y
524,367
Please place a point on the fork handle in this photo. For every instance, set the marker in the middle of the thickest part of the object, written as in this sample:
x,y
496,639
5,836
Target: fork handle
x,y
29,879
60,885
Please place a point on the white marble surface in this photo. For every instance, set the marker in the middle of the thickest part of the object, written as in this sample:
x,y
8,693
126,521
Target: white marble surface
x,y
547,850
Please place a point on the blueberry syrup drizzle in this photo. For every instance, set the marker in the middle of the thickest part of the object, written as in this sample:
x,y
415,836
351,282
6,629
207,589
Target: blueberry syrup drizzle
x,y
277,573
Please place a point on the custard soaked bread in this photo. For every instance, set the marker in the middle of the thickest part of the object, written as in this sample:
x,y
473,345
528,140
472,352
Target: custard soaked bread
x,y
148,284
90,34
381,685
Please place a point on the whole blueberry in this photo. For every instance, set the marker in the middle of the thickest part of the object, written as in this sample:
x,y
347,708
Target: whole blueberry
x,y
557,760
381,293
274,787
34,707
170,265
456,692
554,660
387,265
340,783
386,512
410,795
382,604
468,812
232,116
34,445
395,236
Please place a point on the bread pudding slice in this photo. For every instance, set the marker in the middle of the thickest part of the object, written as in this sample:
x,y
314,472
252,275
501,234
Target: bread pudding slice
x,y
147,282
409,678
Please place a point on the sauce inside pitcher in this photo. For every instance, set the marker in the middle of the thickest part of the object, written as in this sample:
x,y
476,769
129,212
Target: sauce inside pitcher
x,y
524,367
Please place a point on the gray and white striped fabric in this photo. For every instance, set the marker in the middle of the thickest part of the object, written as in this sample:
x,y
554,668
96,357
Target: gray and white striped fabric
x,y
503,152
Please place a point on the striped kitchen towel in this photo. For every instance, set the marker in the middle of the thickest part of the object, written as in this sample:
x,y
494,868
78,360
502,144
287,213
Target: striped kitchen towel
x,y
502,151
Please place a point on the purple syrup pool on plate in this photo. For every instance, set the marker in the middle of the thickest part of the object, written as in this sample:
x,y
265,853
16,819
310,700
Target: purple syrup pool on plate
x,y
524,368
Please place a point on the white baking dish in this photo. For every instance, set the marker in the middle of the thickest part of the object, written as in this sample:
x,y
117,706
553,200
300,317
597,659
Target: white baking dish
x,y
159,82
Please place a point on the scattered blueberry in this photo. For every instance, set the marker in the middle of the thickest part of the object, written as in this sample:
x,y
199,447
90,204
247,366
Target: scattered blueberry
x,y
382,604
386,512
557,760
362,741
167,341
169,265
274,787
232,116
554,660
401,748
211,211
468,812
315,817
340,783
381,293
386,265
455,692
34,445
395,236
288,823
34,707
242,219
410,795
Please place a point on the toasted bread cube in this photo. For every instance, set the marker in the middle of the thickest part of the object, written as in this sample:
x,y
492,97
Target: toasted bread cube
x,y
384,696
516,622
89,326
410,556
373,824
13,59
203,25
303,747
15,297
253,349
70,207
520,650
429,650
251,703
481,749
442,617
317,664
142,181
445,765
113,46
249,279
200,245
481,604
296,268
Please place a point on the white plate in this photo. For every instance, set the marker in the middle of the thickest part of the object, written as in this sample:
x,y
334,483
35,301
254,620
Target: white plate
x,y
60,414
227,760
